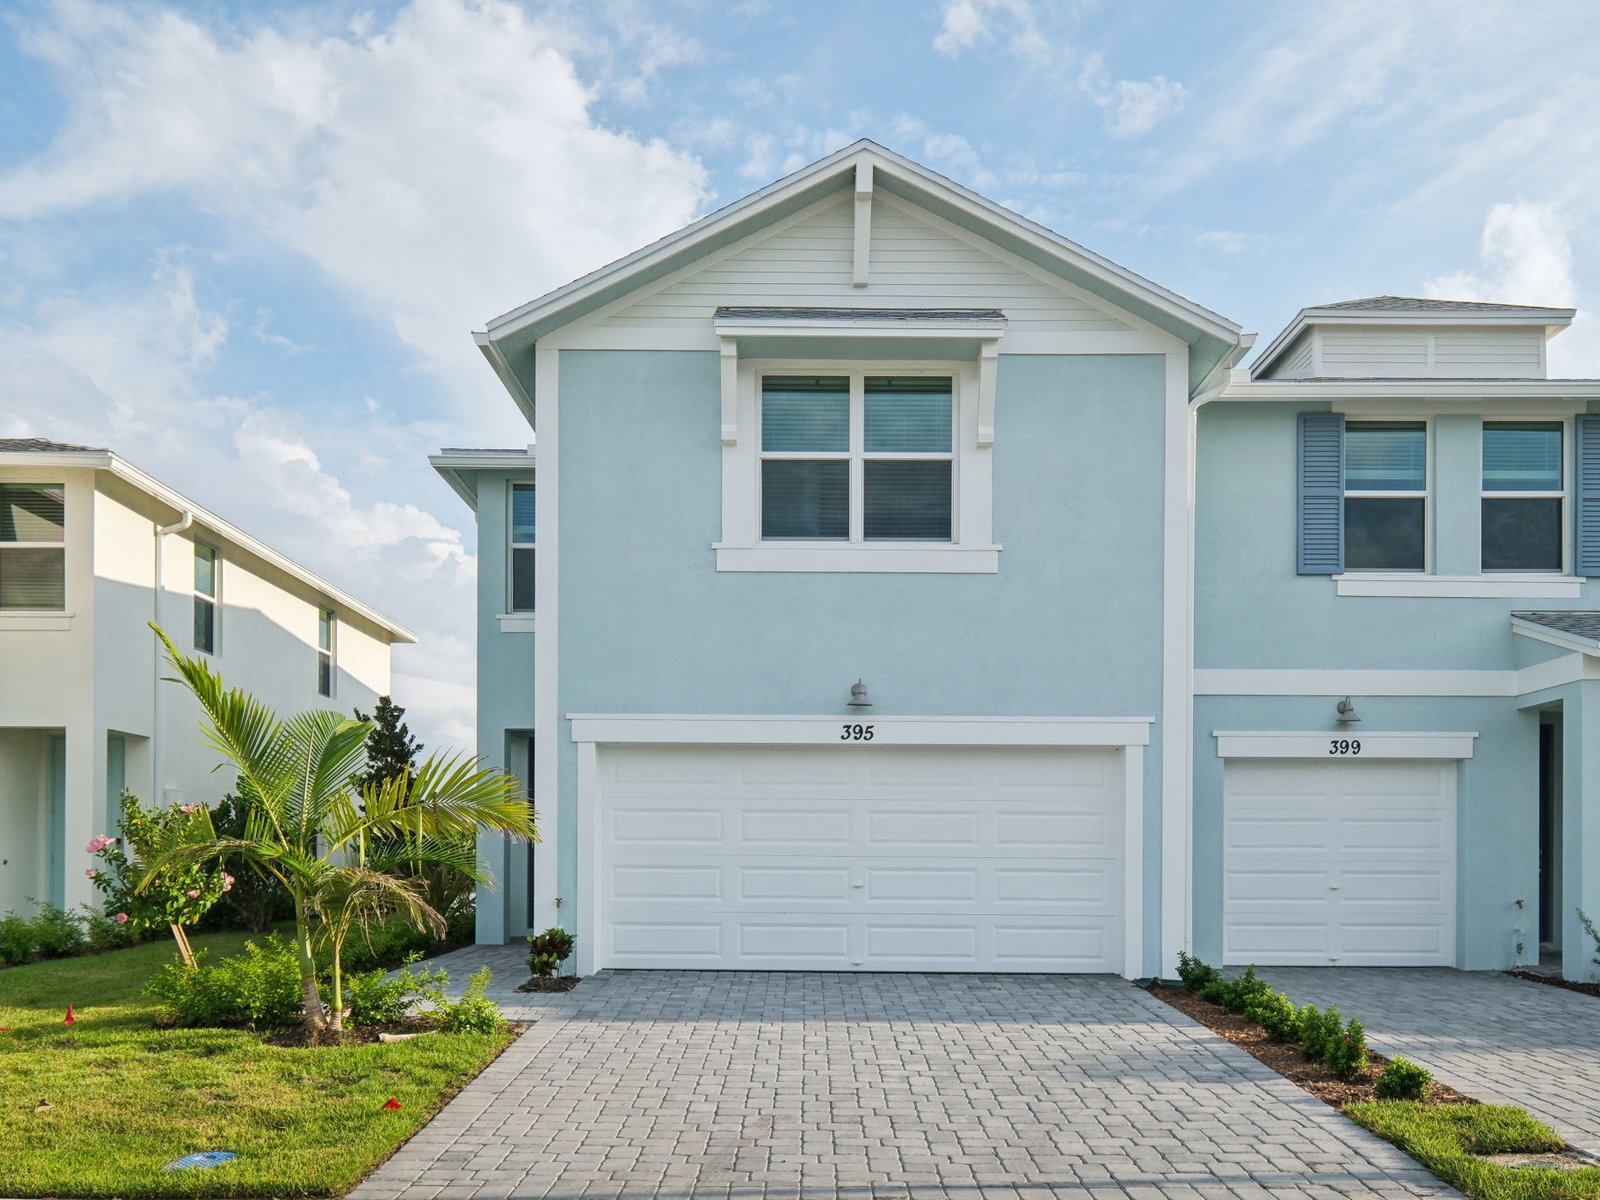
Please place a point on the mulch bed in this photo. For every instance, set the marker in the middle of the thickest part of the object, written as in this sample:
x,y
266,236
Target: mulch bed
x,y
362,1035
561,983
1287,1060
1571,985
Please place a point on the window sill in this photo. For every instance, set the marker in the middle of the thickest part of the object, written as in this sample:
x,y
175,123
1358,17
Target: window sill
x,y
797,557
1472,587
522,622
34,620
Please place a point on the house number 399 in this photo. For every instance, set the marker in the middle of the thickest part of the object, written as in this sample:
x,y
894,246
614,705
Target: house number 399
x,y
856,733
1344,746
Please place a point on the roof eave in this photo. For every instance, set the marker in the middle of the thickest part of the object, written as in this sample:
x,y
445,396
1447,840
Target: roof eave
x,y
454,468
1436,389
1555,637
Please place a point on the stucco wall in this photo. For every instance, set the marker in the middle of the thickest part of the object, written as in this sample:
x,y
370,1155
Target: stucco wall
x,y
24,812
1070,626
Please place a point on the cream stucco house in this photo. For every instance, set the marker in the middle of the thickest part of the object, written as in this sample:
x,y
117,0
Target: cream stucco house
x,y
91,550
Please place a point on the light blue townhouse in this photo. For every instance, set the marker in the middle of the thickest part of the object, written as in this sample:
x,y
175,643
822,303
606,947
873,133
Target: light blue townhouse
x,y
890,583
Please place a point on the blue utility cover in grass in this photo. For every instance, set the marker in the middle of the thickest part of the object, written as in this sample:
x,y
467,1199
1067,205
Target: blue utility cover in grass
x,y
201,1158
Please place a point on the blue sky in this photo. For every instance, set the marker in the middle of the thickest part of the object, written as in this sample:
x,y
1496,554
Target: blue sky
x,y
245,244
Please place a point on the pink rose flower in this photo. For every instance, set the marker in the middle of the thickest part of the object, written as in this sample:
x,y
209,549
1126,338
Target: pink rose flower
x,y
89,871
192,894
99,842
122,918
189,808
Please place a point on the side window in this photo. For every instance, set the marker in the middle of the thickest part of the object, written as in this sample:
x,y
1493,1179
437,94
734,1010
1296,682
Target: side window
x,y
523,545
1385,496
1524,496
325,652
33,554
205,598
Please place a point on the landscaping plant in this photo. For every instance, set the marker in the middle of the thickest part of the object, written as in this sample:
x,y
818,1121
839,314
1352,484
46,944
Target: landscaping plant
x,y
1195,974
258,987
474,1012
1594,936
547,951
145,895
1316,1030
1403,1079
1345,1053
343,856
380,998
1276,1014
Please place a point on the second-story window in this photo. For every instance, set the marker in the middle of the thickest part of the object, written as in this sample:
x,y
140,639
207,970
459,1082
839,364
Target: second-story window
x,y
205,598
33,555
325,652
522,547
1385,496
1524,495
857,458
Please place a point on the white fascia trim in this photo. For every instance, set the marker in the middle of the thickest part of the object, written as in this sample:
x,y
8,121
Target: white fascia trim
x,y
1555,637
1521,408
508,377
453,468
1307,390
1550,319
232,534
865,150
920,560
746,730
1522,681
518,622
1315,744
1470,587
866,328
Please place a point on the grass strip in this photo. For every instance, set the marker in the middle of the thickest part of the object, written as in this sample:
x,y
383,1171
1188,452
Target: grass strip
x,y
1449,1138
125,1098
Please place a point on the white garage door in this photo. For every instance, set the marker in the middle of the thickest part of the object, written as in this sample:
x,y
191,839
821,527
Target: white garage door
x,y
1339,862
861,858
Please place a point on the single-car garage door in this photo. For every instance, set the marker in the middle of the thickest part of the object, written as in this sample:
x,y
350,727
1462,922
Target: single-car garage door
x,y
1339,862
865,858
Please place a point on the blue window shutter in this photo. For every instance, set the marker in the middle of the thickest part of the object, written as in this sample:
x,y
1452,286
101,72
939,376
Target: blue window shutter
x,y
1321,470
1588,555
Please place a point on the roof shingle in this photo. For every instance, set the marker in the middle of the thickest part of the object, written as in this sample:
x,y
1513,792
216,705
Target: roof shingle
x,y
1422,304
41,446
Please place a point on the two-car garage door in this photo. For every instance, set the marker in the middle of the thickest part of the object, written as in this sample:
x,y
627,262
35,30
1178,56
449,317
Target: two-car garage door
x,y
1346,862
861,858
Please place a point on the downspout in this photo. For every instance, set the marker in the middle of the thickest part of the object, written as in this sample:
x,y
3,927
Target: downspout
x,y
158,763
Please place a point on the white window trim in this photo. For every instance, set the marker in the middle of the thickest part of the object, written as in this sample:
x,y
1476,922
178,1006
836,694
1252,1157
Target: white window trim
x,y
512,546
1426,495
1568,470
330,653
215,600
971,550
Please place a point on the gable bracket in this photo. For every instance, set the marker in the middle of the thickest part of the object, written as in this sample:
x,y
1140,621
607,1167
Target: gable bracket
x,y
860,268
988,369
730,390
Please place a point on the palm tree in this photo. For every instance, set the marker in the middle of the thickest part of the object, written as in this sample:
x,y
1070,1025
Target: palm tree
x,y
334,849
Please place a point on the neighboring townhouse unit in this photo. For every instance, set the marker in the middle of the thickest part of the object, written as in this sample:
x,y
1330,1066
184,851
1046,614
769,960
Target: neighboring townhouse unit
x,y
875,624
91,550
1396,506
862,425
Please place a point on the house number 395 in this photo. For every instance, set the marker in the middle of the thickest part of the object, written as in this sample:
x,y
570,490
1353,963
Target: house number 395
x,y
856,733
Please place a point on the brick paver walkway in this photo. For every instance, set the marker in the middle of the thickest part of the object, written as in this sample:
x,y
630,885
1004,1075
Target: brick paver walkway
x,y
690,1084
1500,1040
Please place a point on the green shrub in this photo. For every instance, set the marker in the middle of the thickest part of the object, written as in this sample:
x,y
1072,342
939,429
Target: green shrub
x,y
474,1012
1313,1033
1275,1013
1594,936
1346,1051
377,998
17,943
1194,973
1403,1079
57,933
1243,990
548,950
259,987
104,932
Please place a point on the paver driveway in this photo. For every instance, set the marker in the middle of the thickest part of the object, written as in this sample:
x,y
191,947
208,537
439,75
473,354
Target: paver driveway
x,y
644,1084
1500,1040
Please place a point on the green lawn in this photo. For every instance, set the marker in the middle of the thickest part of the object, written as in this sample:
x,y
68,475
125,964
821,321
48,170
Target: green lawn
x,y
126,1098
1447,1139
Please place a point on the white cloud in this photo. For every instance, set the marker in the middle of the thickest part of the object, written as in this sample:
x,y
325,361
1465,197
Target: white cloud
x,y
441,166
1130,107
1525,257
965,23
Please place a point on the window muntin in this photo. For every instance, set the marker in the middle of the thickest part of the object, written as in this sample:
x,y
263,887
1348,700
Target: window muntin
x,y
523,545
1524,496
325,652
33,556
1385,496
205,598
857,458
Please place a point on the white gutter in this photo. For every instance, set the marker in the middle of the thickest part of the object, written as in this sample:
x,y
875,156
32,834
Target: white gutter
x,y
158,761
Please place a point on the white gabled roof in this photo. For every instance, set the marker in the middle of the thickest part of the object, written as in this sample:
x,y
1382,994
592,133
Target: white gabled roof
x,y
36,452
895,173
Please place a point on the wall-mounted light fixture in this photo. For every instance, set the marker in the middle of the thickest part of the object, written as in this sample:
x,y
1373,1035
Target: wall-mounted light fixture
x,y
1347,712
858,695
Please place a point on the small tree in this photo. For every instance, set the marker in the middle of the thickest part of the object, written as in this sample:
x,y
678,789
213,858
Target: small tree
x,y
390,747
146,896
